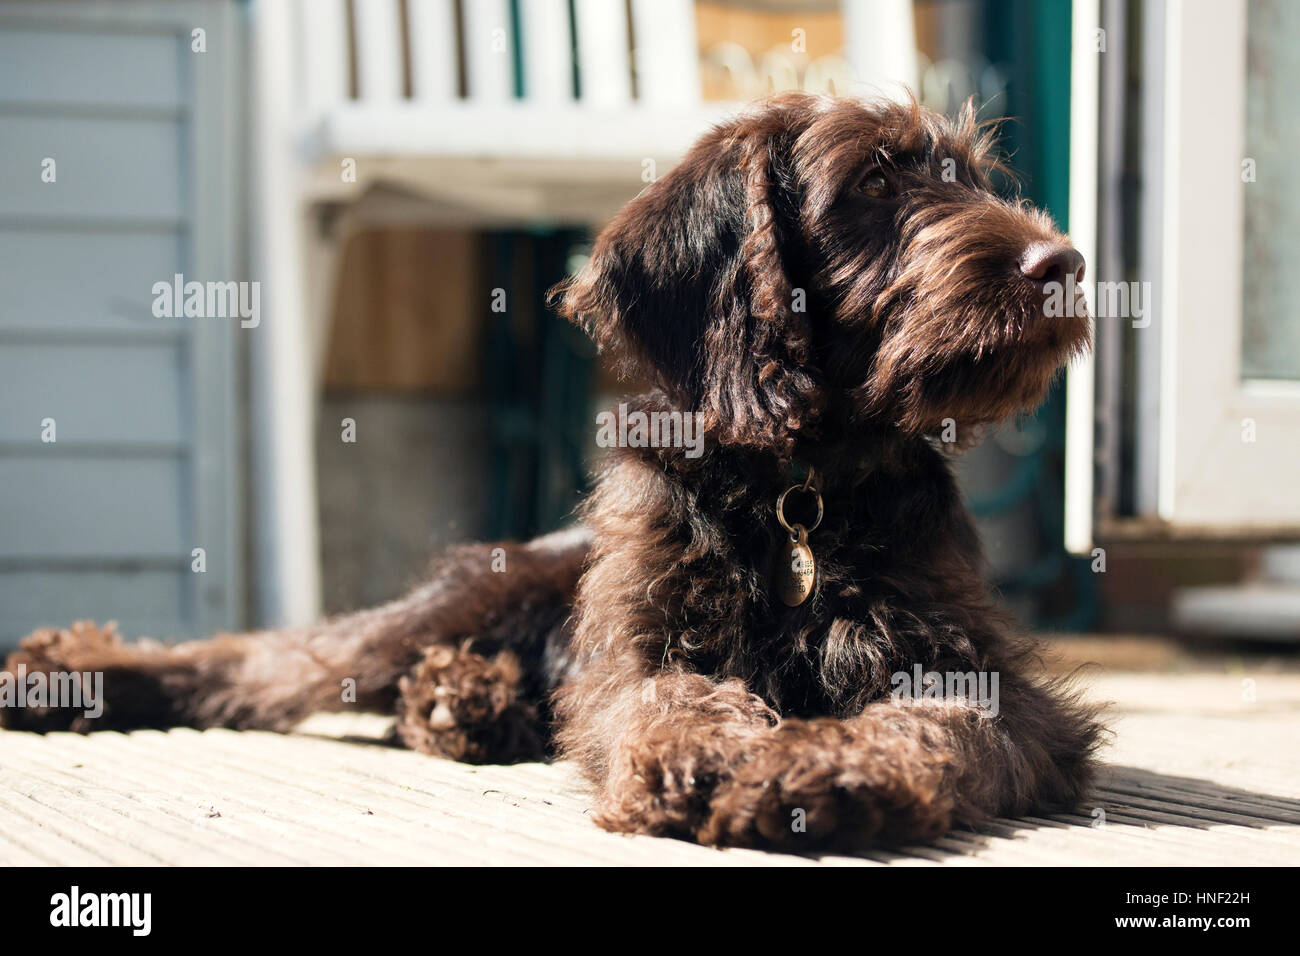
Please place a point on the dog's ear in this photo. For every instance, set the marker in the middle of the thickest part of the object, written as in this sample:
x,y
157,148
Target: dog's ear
x,y
688,287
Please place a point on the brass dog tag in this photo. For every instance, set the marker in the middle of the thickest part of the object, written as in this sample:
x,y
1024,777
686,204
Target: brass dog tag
x,y
795,568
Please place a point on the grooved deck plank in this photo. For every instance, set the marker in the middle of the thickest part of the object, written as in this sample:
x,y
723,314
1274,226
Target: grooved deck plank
x,y
1203,770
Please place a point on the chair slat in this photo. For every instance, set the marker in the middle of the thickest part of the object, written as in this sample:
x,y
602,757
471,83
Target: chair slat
x,y
322,45
432,35
548,53
379,49
665,52
604,71
880,39
489,51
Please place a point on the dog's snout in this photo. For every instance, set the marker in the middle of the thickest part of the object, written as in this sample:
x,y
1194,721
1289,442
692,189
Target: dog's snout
x,y
1052,262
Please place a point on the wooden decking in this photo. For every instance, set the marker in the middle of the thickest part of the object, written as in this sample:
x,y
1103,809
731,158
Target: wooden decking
x,y
1199,774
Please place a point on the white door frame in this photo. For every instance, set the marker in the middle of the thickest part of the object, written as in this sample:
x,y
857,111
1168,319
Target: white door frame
x,y
1228,447
1211,473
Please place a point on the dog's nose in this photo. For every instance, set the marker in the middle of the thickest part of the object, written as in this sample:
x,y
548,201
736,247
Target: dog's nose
x,y
1052,262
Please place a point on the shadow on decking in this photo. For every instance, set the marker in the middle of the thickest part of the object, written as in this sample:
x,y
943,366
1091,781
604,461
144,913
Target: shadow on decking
x,y
1127,797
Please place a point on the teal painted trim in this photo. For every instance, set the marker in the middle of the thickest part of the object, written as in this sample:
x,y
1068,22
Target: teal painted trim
x,y
1033,38
517,48
502,492
573,50
1052,69
1053,25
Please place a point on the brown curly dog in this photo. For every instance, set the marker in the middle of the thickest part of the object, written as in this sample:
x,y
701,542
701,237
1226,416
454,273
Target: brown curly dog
x,y
828,287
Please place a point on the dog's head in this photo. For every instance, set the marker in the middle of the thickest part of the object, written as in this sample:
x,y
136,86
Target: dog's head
x,y
824,256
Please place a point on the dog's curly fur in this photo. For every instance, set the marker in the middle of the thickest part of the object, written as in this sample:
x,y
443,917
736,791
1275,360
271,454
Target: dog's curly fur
x,y
822,281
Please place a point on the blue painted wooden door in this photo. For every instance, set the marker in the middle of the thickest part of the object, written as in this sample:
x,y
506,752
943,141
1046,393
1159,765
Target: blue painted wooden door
x,y
117,427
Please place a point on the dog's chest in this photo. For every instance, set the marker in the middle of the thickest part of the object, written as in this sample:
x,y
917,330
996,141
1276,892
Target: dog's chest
x,y
818,620
804,628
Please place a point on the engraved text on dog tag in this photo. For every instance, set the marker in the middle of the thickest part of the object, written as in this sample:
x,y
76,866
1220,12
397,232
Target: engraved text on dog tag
x,y
795,568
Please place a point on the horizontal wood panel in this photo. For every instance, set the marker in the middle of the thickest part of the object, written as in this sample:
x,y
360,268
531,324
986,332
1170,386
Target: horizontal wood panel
x,y
93,508
121,393
102,280
145,133
127,169
144,603
83,69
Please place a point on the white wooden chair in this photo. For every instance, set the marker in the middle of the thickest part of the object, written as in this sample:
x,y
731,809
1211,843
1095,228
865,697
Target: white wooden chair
x,y
360,115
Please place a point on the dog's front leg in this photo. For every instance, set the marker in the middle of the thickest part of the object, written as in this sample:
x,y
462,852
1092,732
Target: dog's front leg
x,y
659,745
906,771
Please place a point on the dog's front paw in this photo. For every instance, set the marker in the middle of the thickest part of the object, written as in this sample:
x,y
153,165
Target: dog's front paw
x,y
662,784
812,784
465,706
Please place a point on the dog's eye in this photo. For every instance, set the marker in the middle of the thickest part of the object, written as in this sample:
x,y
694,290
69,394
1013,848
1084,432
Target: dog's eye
x,y
875,184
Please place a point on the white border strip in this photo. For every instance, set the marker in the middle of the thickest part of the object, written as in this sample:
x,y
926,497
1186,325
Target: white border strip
x,y
1167,485
1080,382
